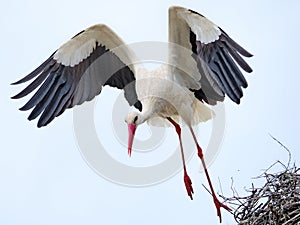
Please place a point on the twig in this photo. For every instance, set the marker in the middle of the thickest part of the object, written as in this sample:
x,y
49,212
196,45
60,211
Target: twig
x,y
282,145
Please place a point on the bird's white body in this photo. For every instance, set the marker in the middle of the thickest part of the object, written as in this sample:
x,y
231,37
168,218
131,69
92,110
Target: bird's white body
x,y
162,97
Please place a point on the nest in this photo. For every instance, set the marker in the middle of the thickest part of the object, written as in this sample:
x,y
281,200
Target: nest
x,y
277,202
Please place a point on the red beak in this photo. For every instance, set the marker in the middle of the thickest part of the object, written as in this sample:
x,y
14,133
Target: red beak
x,y
131,132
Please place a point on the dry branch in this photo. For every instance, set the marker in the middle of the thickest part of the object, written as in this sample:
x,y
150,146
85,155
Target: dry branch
x,y
277,202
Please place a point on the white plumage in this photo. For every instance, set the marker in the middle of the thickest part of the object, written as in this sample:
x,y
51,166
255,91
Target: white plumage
x,y
203,66
162,96
205,30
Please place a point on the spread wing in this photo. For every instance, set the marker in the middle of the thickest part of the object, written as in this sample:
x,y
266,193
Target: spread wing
x,y
213,59
76,73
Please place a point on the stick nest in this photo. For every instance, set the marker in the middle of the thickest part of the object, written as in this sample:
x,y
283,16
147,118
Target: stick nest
x,y
277,202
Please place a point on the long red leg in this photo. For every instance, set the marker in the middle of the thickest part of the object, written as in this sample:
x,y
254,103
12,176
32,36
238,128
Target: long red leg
x,y
187,180
218,204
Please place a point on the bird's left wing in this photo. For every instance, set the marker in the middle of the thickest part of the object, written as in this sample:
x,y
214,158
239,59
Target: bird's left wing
x,y
76,73
207,59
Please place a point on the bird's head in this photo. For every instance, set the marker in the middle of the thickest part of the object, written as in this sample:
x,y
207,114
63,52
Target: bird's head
x,y
133,119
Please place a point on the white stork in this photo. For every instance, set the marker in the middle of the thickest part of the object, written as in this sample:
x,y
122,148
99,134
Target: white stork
x,y
202,73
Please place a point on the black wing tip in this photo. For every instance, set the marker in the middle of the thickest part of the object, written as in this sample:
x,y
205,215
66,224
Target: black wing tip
x,y
245,53
21,81
40,125
235,45
15,83
18,96
250,70
192,11
41,122
236,100
14,97
78,34
26,107
23,108
245,85
249,55
35,72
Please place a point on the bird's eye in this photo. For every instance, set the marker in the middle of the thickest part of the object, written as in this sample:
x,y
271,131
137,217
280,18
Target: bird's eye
x,y
135,119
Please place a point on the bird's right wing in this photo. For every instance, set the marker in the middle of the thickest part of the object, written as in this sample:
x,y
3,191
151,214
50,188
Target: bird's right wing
x,y
207,59
76,73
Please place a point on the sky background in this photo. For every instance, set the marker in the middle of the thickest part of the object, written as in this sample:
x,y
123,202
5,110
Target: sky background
x,y
44,178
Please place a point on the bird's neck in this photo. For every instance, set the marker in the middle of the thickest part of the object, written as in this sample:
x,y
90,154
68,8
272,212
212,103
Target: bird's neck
x,y
145,115
148,111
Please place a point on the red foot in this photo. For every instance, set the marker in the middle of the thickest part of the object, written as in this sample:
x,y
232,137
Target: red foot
x,y
188,185
220,205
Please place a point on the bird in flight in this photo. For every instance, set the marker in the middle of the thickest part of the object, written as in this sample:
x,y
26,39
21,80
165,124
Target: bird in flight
x,y
204,65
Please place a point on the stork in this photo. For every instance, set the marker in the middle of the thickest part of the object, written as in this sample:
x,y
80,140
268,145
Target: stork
x,y
204,66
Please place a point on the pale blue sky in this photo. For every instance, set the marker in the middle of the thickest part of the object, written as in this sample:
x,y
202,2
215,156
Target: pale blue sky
x,y
44,179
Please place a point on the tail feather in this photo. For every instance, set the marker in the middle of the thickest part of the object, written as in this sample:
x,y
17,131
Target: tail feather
x,y
201,113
